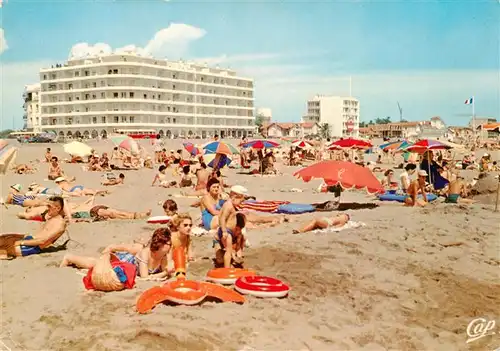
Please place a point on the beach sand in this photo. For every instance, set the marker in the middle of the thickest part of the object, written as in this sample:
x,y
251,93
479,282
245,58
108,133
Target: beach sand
x,y
410,279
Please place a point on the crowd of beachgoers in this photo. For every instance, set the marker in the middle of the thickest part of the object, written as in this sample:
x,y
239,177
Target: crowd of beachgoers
x,y
228,211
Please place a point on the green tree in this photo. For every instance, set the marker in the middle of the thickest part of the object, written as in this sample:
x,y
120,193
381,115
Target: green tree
x,y
385,120
5,133
259,122
324,131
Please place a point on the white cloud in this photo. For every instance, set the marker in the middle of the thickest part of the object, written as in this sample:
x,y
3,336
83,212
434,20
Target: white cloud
x,y
171,42
3,42
225,59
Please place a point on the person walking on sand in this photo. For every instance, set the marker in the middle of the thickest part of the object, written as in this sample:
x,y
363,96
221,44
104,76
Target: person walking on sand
x,y
51,230
414,188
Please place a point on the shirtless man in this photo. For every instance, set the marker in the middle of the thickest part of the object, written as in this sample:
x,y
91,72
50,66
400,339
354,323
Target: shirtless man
x,y
77,190
413,189
115,181
48,155
55,170
202,175
229,240
457,191
50,231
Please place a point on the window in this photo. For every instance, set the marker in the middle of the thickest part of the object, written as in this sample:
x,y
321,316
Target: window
x,y
103,119
86,109
70,86
115,71
124,95
87,96
77,74
173,120
53,76
94,96
124,119
145,96
87,73
70,98
131,95
94,120
159,96
115,95
116,119
173,87
110,71
132,119
44,77
94,84
103,95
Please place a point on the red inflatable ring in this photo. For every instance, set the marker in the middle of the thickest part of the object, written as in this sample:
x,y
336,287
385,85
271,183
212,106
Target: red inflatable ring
x,y
261,286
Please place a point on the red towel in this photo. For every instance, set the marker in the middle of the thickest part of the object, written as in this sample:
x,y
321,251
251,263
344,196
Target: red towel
x,y
262,206
129,269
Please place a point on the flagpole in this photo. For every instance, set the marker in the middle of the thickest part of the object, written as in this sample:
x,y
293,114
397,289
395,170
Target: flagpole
x,y
474,118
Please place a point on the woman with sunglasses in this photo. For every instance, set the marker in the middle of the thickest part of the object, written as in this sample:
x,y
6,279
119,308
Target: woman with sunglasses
x,y
151,259
181,225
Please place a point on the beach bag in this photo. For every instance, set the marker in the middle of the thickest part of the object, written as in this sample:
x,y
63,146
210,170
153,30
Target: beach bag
x,y
105,276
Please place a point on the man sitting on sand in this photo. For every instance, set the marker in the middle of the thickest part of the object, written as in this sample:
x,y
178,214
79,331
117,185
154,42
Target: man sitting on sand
x,y
114,181
50,231
457,191
414,188
324,222
229,241
76,190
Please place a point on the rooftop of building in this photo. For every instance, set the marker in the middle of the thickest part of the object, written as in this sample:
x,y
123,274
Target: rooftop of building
x,y
198,67
30,88
320,97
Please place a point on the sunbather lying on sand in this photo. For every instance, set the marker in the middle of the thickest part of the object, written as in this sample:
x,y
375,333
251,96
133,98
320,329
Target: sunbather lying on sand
x,y
229,241
16,197
323,223
151,259
49,232
77,190
115,181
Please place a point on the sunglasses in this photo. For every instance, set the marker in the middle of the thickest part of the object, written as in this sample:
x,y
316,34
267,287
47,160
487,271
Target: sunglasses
x,y
187,225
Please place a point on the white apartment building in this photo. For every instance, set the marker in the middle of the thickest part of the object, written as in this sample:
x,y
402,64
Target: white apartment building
x,y
341,114
32,110
100,95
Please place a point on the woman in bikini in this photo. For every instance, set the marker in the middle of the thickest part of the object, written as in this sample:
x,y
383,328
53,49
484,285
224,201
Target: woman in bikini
x,y
151,259
324,222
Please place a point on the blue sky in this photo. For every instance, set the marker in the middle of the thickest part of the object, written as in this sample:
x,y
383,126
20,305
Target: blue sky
x,y
429,56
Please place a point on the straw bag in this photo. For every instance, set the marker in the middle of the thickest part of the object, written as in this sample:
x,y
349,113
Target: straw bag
x,y
7,243
104,278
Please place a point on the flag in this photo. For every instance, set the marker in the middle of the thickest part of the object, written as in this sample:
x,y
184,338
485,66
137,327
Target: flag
x,y
469,101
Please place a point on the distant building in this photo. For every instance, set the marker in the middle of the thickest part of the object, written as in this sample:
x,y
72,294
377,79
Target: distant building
x,y
32,110
296,130
437,123
132,94
478,121
265,114
341,114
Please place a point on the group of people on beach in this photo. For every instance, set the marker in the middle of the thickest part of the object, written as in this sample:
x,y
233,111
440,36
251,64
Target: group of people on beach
x,y
223,215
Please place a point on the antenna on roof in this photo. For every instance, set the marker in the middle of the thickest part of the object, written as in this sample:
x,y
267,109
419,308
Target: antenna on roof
x,y
400,113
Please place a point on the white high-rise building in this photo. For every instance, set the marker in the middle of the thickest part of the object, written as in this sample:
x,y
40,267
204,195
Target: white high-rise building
x,y
341,114
32,110
133,94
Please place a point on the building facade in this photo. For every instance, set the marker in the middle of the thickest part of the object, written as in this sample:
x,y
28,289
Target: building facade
x,y
296,130
266,114
99,95
32,109
341,114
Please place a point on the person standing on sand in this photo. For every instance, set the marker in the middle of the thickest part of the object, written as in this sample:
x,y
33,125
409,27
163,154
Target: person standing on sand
x,y
416,186
51,230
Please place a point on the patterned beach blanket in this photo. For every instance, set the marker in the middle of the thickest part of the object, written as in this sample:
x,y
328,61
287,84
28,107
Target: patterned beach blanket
x,y
262,206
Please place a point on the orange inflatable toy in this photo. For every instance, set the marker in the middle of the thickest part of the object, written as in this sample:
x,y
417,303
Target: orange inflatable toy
x,y
227,276
182,291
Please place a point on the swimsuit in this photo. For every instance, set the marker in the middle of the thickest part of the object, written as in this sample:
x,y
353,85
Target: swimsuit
x,y
220,235
76,187
206,216
19,199
452,198
29,250
129,258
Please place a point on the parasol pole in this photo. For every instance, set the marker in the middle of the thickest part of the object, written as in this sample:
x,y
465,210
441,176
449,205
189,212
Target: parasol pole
x,y
498,194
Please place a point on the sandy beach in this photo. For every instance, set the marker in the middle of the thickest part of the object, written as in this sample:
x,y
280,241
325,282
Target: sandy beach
x,y
409,279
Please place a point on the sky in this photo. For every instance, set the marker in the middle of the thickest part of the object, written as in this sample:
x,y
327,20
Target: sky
x,y
430,56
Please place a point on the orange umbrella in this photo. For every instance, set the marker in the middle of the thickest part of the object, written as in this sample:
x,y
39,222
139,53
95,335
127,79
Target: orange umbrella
x,y
346,174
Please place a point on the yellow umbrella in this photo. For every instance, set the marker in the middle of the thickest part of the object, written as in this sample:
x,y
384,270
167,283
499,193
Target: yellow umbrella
x,y
79,149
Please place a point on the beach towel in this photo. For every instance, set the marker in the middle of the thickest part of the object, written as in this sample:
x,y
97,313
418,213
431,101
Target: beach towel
x,y
348,225
262,206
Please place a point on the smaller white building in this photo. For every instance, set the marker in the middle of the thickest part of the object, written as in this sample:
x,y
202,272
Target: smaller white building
x,y
32,110
437,122
340,113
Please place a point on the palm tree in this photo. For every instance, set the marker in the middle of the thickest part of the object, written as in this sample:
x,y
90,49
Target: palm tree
x,y
324,131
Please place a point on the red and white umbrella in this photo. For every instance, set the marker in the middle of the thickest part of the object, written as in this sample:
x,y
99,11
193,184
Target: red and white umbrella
x,y
350,143
302,144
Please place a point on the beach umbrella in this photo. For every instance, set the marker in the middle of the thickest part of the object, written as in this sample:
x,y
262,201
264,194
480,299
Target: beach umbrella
x,y
7,156
118,138
390,146
426,145
349,143
346,174
220,147
77,148
260,144
191,148
217,161
302,144
130,145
